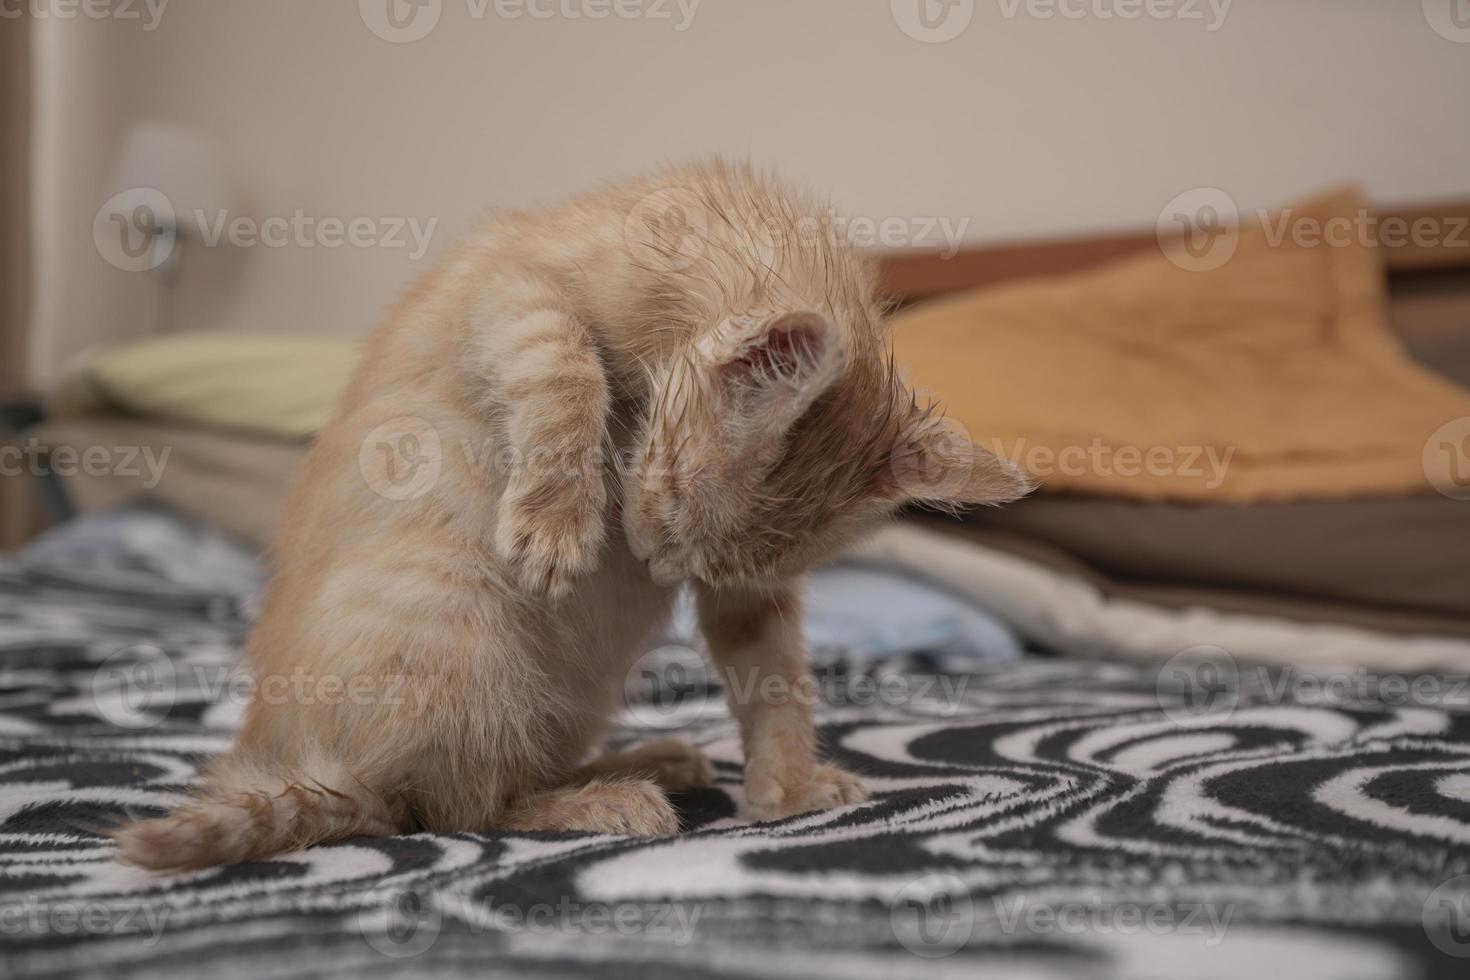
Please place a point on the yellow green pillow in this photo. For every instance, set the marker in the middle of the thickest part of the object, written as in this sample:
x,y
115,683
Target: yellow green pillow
x,y
273,385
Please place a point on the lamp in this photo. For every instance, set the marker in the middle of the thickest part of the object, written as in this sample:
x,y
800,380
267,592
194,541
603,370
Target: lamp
x,y
163,177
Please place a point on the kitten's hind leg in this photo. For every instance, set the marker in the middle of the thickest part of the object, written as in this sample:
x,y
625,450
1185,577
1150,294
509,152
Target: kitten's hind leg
x,y
673,765
551,522
629,807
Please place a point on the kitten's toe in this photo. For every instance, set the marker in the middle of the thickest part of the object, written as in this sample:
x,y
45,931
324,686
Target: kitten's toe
x,y
837,787
775,795
550,546
626,807
550,565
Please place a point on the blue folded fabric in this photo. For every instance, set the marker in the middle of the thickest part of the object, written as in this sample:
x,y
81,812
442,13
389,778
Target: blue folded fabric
x,y
874,611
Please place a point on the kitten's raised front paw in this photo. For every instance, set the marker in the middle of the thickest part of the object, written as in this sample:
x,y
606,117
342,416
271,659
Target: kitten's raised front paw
x,y
551,534
774,794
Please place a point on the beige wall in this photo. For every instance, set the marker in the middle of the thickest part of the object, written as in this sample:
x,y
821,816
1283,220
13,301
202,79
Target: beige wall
x,y
1022,126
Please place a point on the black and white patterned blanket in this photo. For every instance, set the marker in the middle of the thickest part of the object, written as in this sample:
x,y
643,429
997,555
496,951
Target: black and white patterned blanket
x,y
1046,819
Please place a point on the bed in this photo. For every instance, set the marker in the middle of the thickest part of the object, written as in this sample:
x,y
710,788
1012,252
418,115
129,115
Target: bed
x,y
1032,818
1033,815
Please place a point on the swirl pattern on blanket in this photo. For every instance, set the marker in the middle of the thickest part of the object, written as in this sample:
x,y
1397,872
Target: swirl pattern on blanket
x,y
1025,818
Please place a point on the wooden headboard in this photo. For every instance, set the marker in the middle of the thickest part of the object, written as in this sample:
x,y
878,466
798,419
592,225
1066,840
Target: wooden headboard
x,y
1418,270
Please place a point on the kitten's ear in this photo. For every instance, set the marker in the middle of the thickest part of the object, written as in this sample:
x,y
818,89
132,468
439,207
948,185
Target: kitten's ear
x,y
934,461
772,370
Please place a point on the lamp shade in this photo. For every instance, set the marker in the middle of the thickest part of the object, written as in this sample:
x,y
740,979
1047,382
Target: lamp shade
x,y
183,164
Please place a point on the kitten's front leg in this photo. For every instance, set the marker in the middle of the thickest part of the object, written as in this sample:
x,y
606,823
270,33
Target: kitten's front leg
x,y
755,640
551,521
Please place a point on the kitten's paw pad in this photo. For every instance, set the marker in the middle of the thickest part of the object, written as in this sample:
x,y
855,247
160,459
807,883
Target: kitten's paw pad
x,y
773,797
674,765
551,545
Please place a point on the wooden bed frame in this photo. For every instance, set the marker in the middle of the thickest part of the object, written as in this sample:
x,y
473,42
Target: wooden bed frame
x,y
917,275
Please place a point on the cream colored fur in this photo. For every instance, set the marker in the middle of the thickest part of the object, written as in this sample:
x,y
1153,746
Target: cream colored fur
x,y
672,379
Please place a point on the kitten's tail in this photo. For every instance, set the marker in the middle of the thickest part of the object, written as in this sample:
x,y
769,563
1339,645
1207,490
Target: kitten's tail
x,y
249,811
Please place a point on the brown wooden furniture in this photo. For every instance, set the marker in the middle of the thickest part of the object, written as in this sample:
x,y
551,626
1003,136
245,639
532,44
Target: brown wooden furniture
x,y
917,275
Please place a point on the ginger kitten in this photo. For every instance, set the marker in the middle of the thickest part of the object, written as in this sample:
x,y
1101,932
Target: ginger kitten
x,y
681,378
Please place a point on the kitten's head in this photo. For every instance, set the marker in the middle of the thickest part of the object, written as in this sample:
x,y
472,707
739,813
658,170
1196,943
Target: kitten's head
x,y
781,437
